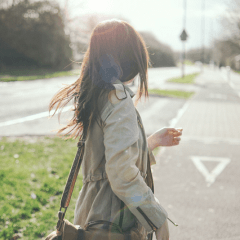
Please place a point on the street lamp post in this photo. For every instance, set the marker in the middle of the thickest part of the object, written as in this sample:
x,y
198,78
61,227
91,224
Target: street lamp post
x,y
203,32
184,36
183,58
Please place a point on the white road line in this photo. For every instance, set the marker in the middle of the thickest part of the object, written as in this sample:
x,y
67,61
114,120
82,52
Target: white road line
x,y
181,111
32,117
210,177
174,121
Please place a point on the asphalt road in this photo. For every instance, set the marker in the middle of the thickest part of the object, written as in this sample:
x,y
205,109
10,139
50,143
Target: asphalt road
x,y
24,105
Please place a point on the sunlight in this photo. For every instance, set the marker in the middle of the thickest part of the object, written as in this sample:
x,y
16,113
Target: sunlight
x,y
99,6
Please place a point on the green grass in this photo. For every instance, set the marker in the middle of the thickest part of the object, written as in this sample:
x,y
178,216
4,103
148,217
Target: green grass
x,y
188,62
32,178
171,93
156,151
188,79
24,76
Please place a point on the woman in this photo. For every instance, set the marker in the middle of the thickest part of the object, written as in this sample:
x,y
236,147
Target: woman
x,y
116,149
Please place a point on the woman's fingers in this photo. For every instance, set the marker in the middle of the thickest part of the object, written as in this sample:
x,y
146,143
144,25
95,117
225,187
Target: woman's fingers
x,y
179,130
175,131
176,140
168,136
178,134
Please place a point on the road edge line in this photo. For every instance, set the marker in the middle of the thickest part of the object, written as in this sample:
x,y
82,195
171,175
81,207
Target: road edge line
x,y
31,117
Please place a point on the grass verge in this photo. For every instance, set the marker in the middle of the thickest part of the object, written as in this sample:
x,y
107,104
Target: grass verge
x,y
32,178
10,78
171,93
156,151
188,79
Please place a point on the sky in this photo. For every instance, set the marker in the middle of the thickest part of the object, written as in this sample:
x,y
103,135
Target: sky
x,y
164,18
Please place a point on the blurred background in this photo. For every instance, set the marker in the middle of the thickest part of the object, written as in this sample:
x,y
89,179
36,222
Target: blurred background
x,y
50,34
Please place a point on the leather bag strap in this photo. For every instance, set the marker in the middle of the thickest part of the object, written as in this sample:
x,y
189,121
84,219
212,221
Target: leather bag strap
x,y
66,196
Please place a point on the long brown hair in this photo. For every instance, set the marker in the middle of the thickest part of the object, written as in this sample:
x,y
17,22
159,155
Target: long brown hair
x,y
116,51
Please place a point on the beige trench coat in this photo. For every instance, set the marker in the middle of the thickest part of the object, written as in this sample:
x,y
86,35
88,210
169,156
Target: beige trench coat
x,y
114,168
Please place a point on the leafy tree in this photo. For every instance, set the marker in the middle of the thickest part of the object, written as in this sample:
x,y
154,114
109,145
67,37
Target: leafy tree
x,y
228,46
161,55
195,55
231,22
32,33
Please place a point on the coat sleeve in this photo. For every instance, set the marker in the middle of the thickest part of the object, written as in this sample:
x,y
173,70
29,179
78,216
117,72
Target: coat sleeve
x,y
121,134
151,157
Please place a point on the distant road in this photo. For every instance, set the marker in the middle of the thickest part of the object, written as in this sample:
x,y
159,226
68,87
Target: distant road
x,y
24,105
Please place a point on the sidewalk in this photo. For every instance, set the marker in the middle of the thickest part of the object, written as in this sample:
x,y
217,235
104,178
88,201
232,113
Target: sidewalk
x,y
198,181
214,112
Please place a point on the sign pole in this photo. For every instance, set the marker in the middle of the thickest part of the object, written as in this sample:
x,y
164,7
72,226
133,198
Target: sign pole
x,y
183,59
203,33
184,27
184,37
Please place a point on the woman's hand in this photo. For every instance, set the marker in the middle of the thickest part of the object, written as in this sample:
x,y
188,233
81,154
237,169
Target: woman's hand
x,y
165,137
163,232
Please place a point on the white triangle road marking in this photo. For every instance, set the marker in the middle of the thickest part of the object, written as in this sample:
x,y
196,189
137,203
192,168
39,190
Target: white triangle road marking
x,y
210,177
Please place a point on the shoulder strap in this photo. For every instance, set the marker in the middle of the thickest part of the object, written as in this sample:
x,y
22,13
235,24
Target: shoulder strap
x,y
66,196
72,177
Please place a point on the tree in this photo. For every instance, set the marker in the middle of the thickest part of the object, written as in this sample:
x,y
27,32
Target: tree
x,y
231,22
161,55
32,33
195,55
228,46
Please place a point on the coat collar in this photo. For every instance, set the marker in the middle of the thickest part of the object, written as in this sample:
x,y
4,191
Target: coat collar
x,y
131,93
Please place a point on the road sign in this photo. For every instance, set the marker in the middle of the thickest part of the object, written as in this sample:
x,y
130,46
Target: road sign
x,y
210,177
183,35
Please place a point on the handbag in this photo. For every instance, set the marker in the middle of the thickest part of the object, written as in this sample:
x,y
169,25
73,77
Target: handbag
x,y
67,231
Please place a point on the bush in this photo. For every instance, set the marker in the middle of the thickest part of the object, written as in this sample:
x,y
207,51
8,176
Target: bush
x,y
32,34
160,54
